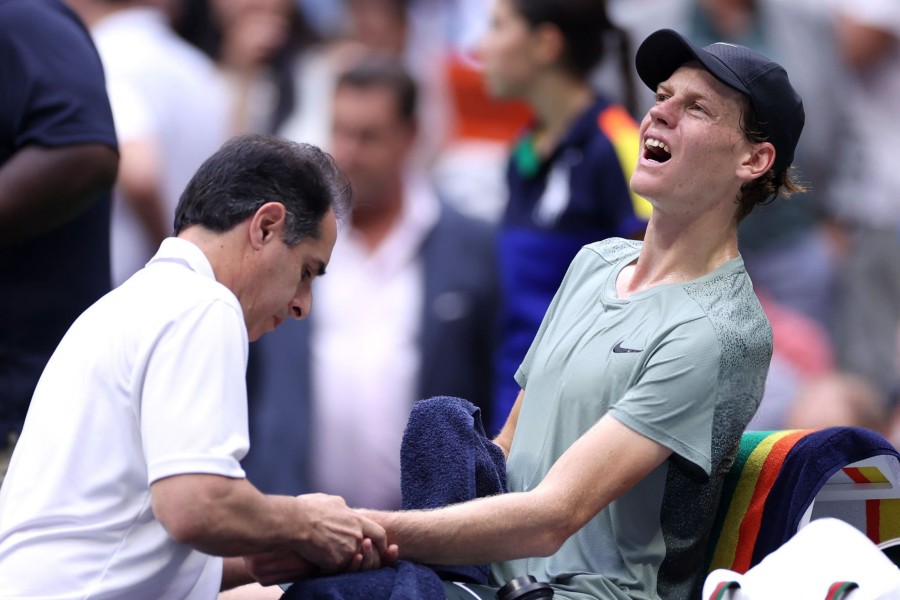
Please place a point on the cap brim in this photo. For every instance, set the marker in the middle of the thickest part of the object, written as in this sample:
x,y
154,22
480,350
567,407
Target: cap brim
x,y
664,51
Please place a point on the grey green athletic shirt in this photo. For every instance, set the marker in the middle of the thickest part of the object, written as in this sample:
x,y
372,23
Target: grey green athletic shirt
x,y
682,364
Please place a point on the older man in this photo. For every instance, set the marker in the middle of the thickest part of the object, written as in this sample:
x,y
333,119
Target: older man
x,y
126,481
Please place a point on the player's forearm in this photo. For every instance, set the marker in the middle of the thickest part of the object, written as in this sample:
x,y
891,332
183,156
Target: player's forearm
x,y
503,527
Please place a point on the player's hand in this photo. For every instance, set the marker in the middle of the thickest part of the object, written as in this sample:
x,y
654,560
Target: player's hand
x,y
333,534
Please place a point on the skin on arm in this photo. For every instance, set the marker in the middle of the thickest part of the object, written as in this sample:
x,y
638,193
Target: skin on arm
x,y
253,591
139,184
43,188
608,460
229,517
505,437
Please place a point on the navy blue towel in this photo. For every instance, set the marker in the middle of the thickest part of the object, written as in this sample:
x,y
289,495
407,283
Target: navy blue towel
x,y
807,466
405,581
445,458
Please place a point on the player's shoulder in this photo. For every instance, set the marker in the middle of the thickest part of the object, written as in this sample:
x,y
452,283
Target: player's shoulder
x,y
612,250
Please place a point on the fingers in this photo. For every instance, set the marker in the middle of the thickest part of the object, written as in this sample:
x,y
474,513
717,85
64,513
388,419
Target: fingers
x,y
366,559
374,532
392,555
355,563
371,558
277,566
342,539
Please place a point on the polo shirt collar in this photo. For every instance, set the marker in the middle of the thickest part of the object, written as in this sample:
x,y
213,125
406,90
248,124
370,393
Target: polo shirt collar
x,y
179,250
525,157
584,126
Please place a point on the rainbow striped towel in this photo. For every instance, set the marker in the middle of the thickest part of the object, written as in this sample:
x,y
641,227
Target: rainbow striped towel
x,y
776,476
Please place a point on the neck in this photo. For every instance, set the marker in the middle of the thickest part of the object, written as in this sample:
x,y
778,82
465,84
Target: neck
x,y
374,219
217,247
557,103
681,249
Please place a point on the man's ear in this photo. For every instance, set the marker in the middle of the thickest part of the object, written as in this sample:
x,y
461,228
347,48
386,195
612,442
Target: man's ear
x,y
549,44
758,161
267,224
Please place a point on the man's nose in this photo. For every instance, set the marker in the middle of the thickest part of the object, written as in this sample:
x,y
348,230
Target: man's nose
x,y
662,112
301,304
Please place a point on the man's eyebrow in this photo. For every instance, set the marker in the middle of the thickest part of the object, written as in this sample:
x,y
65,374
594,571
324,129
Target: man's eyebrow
x,y
690,93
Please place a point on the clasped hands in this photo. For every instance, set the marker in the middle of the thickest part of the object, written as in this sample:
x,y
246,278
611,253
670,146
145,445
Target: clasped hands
x,y
334,539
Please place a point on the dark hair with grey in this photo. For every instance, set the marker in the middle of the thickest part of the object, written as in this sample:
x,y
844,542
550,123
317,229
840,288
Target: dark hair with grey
x,y
388,73
251,170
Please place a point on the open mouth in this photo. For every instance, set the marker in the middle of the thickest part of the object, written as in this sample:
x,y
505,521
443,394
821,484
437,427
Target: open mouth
x,y
656,150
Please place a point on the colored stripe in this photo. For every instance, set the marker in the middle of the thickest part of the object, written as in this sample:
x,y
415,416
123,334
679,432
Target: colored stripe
x,y
723,588
839,588
865,474
732,537
749,528
624,133
873,520
749,474
889,527
749,441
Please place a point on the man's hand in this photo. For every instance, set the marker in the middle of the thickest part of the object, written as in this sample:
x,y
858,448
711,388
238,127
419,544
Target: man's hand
x,y
284,566
336,538
278,566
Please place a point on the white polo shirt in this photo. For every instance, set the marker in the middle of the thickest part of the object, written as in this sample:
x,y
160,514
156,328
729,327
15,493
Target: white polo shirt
x,y
148,383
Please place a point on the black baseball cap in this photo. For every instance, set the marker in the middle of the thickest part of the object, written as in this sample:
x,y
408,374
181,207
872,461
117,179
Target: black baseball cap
x,y
777,105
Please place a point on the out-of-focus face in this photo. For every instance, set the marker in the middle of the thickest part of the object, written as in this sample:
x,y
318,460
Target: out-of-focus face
x,y
370,142
377,25
282,279
692,144
506,52
253,30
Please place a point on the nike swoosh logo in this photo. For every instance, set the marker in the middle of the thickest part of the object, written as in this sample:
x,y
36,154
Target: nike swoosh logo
x,y
618,349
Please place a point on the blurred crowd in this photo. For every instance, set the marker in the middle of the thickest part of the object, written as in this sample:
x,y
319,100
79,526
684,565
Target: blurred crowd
x,y
418,293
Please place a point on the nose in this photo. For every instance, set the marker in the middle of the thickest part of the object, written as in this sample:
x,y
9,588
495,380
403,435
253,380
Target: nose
x,y
301,304
662,113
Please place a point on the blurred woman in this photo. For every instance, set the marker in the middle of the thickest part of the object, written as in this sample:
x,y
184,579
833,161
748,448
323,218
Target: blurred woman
x,y
568,173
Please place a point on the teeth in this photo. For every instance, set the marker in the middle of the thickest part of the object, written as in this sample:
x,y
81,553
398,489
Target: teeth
x,y
652,143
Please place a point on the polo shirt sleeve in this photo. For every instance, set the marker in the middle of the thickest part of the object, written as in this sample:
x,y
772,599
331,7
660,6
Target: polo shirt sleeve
x,y
673,401
52,89
194,397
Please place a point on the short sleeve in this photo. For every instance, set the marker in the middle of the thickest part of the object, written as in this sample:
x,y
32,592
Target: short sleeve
x,y
52,88
521,375
194,397
673,401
